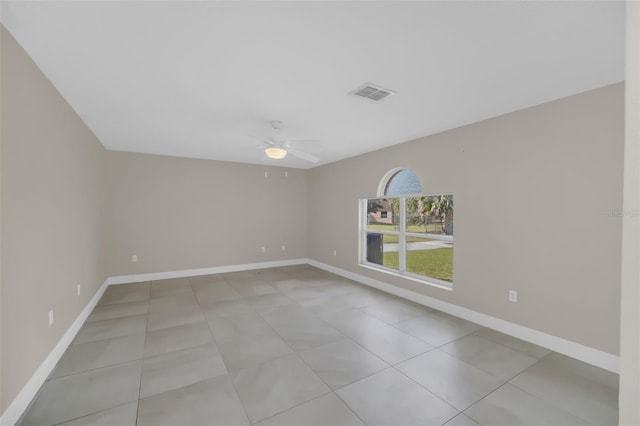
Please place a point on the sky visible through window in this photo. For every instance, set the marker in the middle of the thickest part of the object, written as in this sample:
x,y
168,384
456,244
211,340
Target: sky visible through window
x,y
403,182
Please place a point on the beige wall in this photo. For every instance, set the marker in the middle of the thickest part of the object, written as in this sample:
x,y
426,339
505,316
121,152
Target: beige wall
x,y
177,213
551,172
630,315
2,33
52,213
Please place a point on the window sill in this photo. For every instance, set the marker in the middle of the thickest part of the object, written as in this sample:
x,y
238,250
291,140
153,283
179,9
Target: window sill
x,y
443,285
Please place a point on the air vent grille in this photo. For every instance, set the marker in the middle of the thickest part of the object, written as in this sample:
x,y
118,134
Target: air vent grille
x,y
373,92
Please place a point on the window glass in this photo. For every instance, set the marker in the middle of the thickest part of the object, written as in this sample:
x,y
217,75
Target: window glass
x,y
382,250
431,214
383,214
403,182
430,258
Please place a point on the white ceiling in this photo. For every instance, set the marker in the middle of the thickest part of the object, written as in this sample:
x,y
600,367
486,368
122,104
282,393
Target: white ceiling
x,y
195,79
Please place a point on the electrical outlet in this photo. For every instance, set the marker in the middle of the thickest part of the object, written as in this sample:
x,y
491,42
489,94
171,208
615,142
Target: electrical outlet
x,y
284,248
335,252
263,249
513,296
134,258
78,289
51,317
286,174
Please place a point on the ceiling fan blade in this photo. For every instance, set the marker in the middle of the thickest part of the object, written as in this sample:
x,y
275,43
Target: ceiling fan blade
x,y
306,143
260,138
304,155
314,141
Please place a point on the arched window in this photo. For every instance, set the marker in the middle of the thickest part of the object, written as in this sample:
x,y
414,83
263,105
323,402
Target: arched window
x,y
400,182
407,232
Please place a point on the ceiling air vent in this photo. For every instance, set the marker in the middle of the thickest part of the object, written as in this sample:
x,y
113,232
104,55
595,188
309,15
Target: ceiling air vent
x,y
373,92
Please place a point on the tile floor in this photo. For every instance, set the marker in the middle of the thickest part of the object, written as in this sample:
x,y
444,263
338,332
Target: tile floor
x,y
298,346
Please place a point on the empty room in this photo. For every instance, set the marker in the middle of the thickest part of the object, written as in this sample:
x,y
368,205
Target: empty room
x,y
319,213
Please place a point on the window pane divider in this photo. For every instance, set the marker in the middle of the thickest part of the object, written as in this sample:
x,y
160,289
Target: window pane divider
x,y
402,240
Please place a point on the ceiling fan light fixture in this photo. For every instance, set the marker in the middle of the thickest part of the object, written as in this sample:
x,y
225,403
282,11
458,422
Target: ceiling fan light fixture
x,y
276,153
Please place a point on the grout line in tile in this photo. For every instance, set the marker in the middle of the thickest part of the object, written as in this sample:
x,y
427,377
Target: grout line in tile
x,y
431,392
144,347
91,414
553,404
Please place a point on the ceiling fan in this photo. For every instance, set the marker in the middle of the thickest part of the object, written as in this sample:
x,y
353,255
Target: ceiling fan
x,y
277,146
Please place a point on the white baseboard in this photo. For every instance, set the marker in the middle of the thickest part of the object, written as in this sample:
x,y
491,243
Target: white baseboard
x,y
21,402
124,279
575,350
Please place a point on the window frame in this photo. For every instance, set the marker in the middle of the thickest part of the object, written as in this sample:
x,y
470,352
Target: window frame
x,y
402,238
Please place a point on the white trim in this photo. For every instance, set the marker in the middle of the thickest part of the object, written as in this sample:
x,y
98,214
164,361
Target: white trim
x,y
387,177
21,402
575,350
123,279
433,282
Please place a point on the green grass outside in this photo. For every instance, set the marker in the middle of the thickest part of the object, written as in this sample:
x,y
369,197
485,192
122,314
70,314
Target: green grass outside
x,y
435,263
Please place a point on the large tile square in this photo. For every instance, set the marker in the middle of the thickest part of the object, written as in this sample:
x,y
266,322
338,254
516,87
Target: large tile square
x,y
124,415
101,353
272,387
119,310
272,275
526,348
303,335
353,321
324,306
341,363
108,329
250,349
231,326
360,298
211,402
283,316
390,398
493,358
327,410
390,344
286,285
394,311
252,287
307,292
78,395
223,308
170,287
214,292
172,303
299,328
173,370
202,281
171,318
453,320
241,275
268,301
177,338
123,293
510,406
583,390
456,382
432,330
